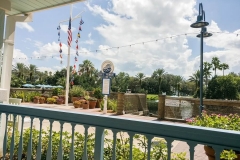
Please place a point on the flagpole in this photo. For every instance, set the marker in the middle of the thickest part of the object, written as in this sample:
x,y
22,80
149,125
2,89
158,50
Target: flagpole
x,y
68,67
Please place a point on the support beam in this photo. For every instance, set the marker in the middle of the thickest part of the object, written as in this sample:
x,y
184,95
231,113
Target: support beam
x,y
2,20
7,61
5,5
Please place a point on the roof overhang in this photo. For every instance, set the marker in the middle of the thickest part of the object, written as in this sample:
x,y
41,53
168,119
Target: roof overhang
x,y
17,7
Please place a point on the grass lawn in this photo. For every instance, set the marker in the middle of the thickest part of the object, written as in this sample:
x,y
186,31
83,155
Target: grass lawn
x,y
152,96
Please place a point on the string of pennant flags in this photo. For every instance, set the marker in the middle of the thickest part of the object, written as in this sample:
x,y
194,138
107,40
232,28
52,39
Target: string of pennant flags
x,y
109,48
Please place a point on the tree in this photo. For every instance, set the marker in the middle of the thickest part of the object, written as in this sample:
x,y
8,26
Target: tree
x,y
158,74
178,80
87,67
223,87
196,79
140,77
121,82
206,71
215,63
19,69
32,70
223,67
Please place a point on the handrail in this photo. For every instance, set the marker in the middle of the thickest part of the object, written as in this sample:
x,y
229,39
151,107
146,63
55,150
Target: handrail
x,y
200,135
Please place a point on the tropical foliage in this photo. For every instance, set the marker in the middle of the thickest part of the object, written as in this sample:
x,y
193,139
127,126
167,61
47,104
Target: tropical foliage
x,y
159,81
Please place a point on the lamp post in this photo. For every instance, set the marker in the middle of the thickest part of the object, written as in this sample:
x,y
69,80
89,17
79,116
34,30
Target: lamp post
x,y
201,23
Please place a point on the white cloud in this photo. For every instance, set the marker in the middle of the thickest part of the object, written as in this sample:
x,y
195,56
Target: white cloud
x,y
127,22
24,25
43,69
19,57
89,35
64,28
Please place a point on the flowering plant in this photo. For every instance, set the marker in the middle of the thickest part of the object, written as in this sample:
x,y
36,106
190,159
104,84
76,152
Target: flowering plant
x,y
228,122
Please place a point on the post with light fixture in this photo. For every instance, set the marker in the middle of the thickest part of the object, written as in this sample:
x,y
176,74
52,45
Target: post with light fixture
x,y
201,23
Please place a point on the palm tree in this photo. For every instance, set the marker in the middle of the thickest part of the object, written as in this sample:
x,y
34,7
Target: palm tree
x,y
195,78
140,77
223,67
32,70
206,71
19,70
216,63
158,74
87,67
178,80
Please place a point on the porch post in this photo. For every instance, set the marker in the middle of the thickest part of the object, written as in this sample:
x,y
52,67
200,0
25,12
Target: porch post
x,y
161,106
7,61
120,103
2,24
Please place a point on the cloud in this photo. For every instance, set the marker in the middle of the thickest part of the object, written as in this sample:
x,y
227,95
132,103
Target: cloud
x,y
128,22
19,57
49,69
24,25
89,35
64,28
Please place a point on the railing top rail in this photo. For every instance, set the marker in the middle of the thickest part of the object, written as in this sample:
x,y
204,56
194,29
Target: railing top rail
x,y
186,132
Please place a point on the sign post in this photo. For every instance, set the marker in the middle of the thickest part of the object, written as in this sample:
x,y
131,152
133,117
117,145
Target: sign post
x,y
106,74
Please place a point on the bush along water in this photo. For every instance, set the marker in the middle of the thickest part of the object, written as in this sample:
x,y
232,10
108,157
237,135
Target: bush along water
x,y
159,149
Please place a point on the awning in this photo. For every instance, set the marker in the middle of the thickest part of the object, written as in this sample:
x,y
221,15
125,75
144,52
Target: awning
x,y
28,6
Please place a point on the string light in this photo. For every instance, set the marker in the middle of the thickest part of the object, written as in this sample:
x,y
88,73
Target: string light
x,y
129,45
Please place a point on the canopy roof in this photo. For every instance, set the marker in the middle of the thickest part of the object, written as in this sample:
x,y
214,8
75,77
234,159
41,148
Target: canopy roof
x,y
28,6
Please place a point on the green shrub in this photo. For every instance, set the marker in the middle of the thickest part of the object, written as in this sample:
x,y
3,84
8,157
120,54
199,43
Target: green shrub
x,y
152,106
159,150
77,91
56,91
111,105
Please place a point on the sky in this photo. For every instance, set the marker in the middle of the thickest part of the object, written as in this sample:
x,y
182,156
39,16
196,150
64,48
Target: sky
x,y
155,34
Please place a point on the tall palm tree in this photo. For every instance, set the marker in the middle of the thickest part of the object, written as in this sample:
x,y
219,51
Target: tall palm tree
x,y
140,77
87,67
223,67
158,74
216,63
19,69
206,71
195,78
178,80
32,70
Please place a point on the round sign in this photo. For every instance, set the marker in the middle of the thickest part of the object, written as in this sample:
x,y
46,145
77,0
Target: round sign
x,y
107,67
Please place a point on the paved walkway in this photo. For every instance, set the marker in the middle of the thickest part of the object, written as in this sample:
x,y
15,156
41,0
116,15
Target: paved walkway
x,y
177,146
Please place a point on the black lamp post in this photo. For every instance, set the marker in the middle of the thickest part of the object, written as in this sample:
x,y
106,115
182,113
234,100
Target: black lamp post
x,y
201,23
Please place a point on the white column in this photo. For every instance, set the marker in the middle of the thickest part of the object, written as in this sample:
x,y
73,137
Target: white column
x,y
2,23
7,61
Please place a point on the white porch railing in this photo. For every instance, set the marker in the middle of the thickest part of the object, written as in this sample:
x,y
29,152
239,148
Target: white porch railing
x,y
42,145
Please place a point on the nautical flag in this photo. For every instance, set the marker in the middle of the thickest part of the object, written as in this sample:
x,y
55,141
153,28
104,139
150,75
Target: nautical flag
x,y
78,35
60,55
61,62
58,33
77,53
58,39
80,28
75,58
69,33
74,66
60,44
77,47
81,22
60,50
58,28
76,41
